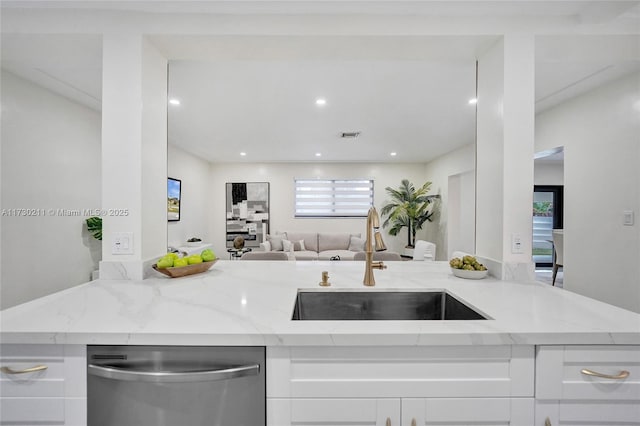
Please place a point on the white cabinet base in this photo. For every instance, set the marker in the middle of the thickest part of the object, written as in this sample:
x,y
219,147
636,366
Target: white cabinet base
x,y
467,411
54,396
331,411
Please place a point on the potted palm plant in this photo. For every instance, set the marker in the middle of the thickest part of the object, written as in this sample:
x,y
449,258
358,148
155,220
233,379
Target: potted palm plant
x,y
410,208
94,226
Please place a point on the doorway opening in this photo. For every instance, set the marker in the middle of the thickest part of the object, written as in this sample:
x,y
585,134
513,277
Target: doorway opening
x,y
547,216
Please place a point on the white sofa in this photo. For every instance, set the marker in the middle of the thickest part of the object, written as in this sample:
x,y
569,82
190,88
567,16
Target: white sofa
x,y
315,245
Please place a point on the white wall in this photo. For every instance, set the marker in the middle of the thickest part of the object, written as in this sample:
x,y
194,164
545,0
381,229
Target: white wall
x,y
548,173
600,133
196,211
154,151
134,136
490,155
50,160
281,178
457,204
505,140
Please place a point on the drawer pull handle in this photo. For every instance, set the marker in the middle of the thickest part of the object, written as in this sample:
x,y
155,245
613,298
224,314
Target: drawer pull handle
x,y
621,375
9,370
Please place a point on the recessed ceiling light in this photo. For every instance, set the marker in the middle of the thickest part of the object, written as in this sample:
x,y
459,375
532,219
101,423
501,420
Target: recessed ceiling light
x,y
318,154
473,101
174,101
321,102
393,154
243,154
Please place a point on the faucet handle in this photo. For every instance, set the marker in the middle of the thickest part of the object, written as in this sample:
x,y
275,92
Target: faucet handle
x,y
325,279
378,265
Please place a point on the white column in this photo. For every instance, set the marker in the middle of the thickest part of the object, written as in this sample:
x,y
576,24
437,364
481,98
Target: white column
x,y
506,89
134,156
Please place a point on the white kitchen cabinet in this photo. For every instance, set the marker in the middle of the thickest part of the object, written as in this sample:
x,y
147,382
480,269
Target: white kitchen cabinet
x,y
467,411
400,411
333,411
54,393
430,385
588,385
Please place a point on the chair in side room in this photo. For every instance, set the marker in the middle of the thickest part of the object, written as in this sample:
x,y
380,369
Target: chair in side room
x,y
424,250
558,247
378,255
269,255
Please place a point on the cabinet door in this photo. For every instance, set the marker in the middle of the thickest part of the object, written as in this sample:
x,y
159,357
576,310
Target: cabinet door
x,y
43,384
467,411
588,372
587,413
397,372
333,412
588,385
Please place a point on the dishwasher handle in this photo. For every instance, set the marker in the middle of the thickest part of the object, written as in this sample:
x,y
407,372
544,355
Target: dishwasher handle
x,y
132,375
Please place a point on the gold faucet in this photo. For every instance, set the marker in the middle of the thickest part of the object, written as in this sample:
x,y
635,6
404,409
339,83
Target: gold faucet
x,y
373,224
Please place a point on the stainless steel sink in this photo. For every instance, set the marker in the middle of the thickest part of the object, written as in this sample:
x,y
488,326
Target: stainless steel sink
x,y
381,305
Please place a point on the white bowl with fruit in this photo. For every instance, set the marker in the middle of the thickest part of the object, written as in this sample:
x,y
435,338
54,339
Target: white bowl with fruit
x,y
468,267
194,242
174,266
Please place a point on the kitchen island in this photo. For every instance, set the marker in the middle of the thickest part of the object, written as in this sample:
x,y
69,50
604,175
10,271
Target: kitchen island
x,y
251,303
516,367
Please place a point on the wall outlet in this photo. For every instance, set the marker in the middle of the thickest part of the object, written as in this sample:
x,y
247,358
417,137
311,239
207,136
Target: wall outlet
x,y
627,217
516,244
122,243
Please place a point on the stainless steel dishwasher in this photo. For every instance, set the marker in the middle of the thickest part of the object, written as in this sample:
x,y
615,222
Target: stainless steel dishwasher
x,y
176,386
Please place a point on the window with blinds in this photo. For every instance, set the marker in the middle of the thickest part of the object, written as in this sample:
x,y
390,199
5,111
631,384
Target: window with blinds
x,y
333,197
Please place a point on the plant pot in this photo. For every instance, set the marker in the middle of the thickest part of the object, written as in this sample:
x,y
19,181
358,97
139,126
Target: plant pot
x,y
408,252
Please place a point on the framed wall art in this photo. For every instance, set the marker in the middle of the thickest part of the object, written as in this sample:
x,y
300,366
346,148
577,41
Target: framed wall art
x,y
247,212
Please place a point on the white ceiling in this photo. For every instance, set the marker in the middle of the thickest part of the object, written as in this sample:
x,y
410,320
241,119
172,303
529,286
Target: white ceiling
x,y
257,94
405,95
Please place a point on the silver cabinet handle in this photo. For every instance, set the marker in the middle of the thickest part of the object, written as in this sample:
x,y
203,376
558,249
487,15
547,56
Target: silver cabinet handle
x,y
118,373
9,370
621,375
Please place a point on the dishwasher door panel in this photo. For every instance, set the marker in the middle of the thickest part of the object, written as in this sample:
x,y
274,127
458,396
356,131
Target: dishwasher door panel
x,y
176,386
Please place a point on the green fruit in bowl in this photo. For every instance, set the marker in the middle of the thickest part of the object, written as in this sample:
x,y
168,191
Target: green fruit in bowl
x,y
182,261
456,263
194,259
165,262
208,255
468,263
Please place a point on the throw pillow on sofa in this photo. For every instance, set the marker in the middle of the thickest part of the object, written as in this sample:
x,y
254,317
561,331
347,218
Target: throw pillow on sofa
x,y
276,242
293,245
356,244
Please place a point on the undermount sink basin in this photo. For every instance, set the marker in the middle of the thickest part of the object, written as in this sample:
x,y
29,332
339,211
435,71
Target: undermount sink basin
x,y
381,305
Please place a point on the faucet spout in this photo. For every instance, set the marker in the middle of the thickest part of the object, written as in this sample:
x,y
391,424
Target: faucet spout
x,y
373,237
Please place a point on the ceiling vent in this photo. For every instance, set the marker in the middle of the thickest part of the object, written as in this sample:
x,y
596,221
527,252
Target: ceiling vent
x,y
350,134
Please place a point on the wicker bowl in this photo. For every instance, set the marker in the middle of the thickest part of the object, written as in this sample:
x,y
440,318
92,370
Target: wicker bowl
x,y
183,271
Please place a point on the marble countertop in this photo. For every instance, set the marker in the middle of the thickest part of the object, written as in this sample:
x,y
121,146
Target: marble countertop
x,y
251,303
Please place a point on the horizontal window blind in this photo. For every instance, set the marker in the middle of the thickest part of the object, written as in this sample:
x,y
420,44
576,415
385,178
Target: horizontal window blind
x,y
333,197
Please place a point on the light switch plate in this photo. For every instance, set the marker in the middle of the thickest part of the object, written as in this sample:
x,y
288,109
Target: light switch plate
x,y
122,243
627,218
516,244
